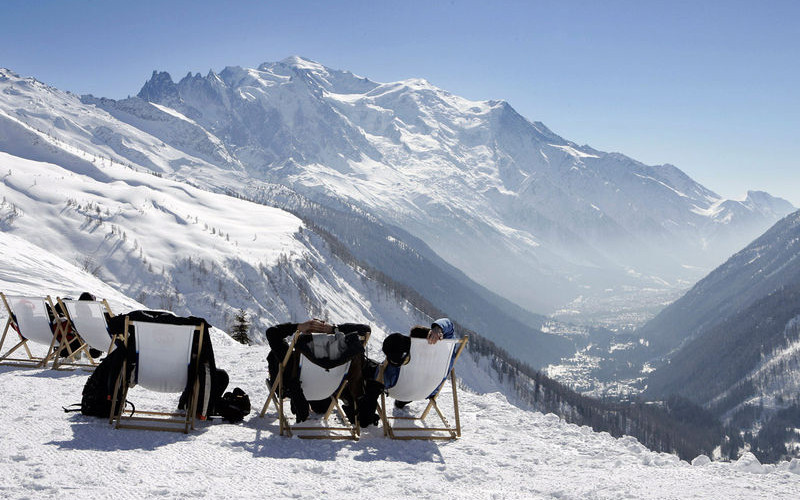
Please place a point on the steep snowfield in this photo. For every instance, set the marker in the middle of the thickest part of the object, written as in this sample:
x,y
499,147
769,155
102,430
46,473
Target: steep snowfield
x,y
173,246
31,270
504,452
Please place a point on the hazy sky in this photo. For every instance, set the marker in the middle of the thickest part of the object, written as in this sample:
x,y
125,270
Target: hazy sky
x,y
709,86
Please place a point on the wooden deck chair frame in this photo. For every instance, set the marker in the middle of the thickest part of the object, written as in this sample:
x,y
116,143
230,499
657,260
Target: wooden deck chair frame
x,y
344,431
181,421
31,361
447,431
72,358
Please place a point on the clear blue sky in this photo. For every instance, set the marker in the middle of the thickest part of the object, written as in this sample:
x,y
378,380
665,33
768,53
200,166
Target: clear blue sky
x,y
710,86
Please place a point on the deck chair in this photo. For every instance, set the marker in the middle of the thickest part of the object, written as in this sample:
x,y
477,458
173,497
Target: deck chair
x,y
88,321
423,377
165,362
30,319
318,383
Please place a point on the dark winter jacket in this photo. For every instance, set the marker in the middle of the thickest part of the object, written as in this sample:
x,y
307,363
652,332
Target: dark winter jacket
x,y
278,338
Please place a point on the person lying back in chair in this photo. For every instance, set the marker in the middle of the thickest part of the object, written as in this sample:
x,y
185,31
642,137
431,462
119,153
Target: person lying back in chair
x,y
279,336
396,348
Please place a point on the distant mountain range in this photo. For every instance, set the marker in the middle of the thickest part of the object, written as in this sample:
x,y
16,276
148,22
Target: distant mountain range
x,y
485,214
532,216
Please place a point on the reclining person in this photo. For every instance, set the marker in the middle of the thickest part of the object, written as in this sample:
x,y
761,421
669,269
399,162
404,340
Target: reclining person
x,y
396,348
349,347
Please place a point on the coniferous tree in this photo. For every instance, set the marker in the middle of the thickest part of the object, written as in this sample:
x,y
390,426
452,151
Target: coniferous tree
x,y
241,327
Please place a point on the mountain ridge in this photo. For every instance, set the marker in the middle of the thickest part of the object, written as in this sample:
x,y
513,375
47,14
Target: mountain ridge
x,y
453,173
418,118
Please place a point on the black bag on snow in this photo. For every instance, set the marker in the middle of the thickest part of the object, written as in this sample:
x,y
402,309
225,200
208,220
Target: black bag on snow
x,y
99,388
211,386
233,406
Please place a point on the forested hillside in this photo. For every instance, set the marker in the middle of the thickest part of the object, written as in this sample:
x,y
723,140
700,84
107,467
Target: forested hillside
x,y
736,342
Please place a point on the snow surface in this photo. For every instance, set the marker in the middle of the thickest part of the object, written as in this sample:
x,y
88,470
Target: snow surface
x,y
504,451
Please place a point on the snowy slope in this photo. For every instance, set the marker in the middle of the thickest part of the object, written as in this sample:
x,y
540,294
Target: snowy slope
x,y
173,246
31,270
505,451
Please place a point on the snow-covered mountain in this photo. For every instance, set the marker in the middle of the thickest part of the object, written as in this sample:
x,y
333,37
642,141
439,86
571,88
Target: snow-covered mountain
x,y
532,216
502,198
49,125
173,246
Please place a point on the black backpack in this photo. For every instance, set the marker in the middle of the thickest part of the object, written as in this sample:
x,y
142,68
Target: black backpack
x,y
99,388
233,406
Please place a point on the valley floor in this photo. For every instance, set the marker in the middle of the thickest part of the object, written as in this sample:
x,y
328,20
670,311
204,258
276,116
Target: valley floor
x,y
505,452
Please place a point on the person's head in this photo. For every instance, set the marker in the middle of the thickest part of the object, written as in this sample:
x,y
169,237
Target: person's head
x,y
86,296
396,347
419,332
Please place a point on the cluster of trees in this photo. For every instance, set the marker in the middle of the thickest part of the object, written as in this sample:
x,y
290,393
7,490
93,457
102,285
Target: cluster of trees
x,y
779,436
9,213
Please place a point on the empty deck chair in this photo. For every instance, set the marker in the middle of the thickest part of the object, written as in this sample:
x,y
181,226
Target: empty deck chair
x,y
31,321
324,363
165,361
88,321
423,377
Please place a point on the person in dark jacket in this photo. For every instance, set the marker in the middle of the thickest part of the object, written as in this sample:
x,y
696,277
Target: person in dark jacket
x,y
279,336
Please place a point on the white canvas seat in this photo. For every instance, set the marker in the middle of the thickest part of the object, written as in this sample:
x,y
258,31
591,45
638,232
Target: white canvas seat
x,y
318,383
164,364
88,318
88,321
30,319
424,375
